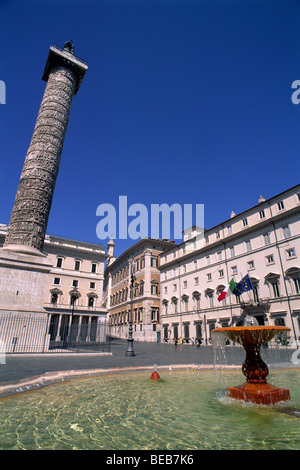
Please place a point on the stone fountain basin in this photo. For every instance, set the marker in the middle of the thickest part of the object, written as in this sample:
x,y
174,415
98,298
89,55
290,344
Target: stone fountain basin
x,y
252,334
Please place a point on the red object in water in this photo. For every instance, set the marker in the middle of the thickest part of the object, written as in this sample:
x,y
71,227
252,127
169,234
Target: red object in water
x,y
155,376
256,389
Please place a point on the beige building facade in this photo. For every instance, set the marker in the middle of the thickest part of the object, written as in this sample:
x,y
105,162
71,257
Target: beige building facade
x,y
73,290
263,242
146,317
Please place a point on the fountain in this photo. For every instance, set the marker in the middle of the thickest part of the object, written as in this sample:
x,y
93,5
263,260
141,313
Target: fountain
x,y
255,389
155,375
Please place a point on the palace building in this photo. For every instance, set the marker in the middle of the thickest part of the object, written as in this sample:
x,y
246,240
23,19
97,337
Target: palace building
x,y
74,290
141,260
263,242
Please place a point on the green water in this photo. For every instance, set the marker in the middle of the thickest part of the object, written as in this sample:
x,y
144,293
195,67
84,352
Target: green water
x,y
186,410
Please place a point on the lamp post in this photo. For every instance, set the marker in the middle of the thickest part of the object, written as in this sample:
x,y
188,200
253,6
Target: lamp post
x,y
130,352
74,297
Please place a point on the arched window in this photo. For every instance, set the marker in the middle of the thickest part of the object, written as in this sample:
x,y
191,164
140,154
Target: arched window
x,y
174,301
165,303
196,297
185,300
273,281
254,283
293,275
55,296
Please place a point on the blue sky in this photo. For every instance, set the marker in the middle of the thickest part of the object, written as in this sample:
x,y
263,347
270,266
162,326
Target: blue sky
x,y
185,101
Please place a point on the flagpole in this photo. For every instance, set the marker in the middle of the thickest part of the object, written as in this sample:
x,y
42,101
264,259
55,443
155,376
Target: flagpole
x,y
247,290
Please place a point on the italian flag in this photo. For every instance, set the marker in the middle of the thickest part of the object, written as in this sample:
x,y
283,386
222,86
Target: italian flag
x,y
227,291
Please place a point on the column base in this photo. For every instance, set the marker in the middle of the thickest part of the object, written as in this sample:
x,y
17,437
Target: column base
x,y
259,393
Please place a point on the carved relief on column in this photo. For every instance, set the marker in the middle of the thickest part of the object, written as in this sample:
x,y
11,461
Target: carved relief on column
x,y
33,199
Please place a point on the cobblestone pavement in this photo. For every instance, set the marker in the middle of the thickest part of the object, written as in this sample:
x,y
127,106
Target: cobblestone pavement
x,y
18,367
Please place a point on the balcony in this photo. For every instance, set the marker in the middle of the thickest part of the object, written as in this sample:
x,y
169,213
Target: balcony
x,y
77,309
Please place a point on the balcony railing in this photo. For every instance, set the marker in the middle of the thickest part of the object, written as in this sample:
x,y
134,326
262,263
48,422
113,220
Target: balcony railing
x,y
76,57
75,308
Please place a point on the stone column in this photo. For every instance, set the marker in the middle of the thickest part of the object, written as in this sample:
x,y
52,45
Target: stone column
x,y
58,338
29,217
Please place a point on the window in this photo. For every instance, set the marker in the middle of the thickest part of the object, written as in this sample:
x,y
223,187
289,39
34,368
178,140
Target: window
x,y
141,288
154,315
174,287
267,239
75,283
255,291
92,285
234,269
280,205
56,281
291,253
59,262
275,288
54,298
196,279
154,262
206,239
197,298
229,230
297,284
217,235
142,263
262,214
186,303
286,231
77,265
165,290
209,276
154,289
221,273
245,222
248,245
93,268
91,301
270,259
73,299
136,290
184,284
250,264
232,252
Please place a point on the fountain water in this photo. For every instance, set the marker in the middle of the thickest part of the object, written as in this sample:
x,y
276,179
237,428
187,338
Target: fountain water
x,y
251,337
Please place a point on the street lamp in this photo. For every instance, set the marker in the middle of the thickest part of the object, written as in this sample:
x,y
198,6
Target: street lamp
x,y
74,297
130,351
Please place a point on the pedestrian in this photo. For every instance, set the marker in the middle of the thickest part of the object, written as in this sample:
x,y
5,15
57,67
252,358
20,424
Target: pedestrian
x,y
176,341
181,342
193,342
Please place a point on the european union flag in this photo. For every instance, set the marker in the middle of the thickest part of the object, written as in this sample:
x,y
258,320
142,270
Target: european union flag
x,y
243,286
